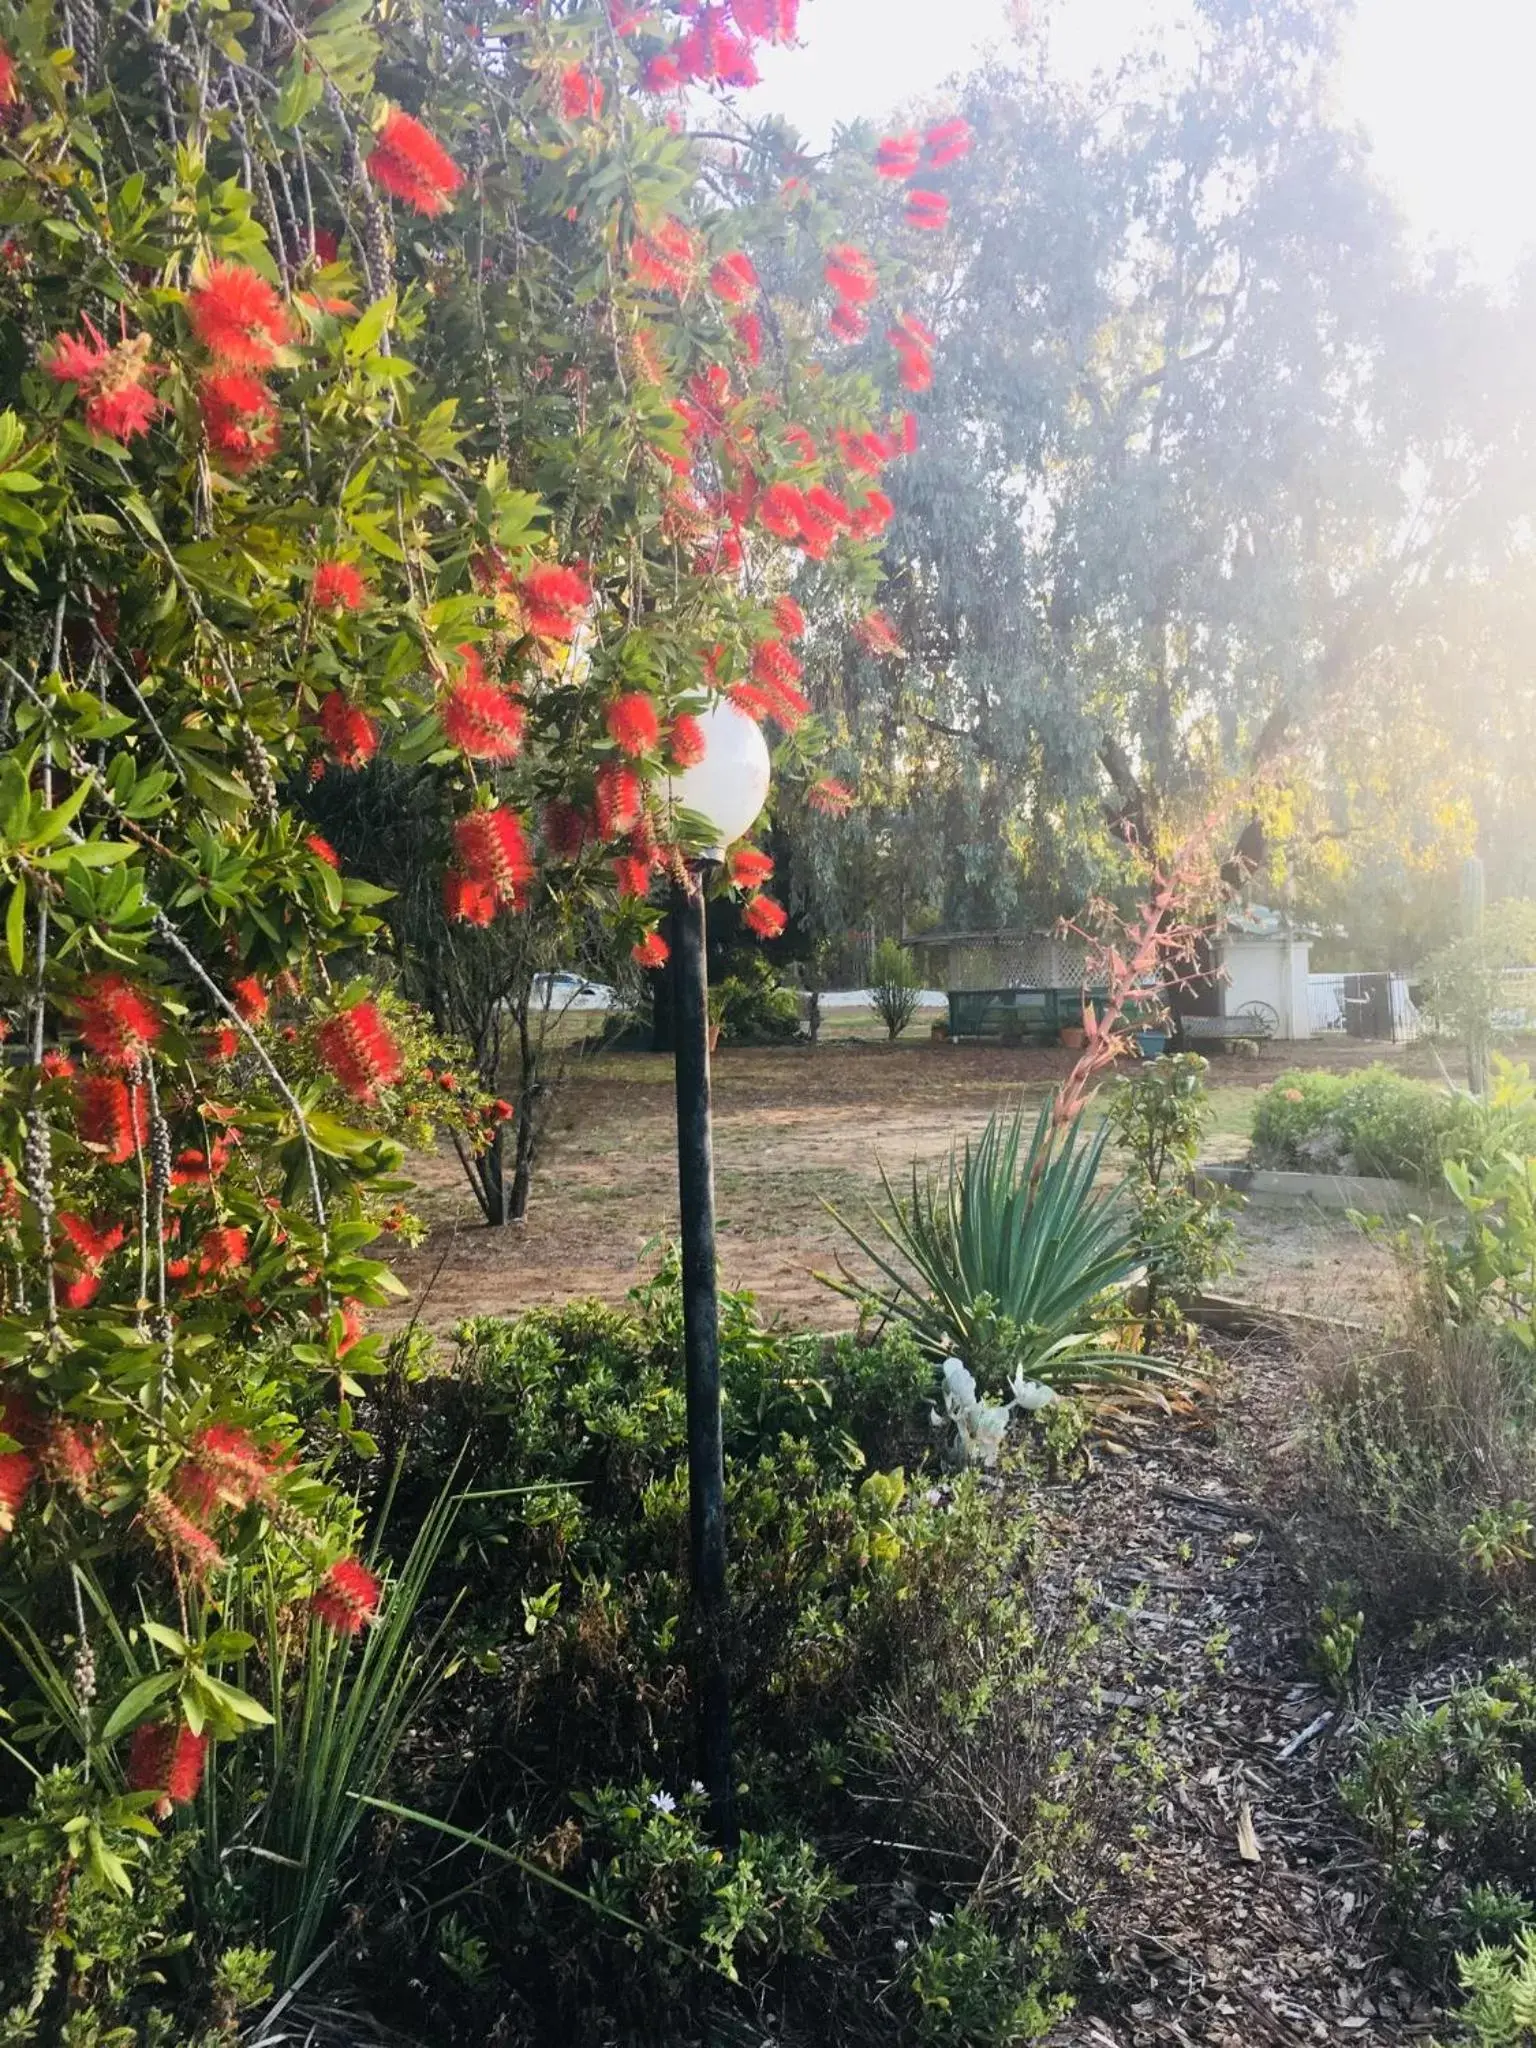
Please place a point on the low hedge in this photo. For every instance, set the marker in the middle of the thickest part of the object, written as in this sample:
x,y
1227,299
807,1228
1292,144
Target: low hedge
x,y
1375,1122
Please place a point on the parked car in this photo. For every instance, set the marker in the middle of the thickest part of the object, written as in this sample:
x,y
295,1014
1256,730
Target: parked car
x,y
561,992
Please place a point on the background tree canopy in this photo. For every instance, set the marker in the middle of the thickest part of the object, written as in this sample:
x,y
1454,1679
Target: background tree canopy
x,y
1216,474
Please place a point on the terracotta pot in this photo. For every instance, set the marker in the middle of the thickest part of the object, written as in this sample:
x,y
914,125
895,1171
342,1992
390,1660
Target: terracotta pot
x,y
939,1033
1073,1037
713,1036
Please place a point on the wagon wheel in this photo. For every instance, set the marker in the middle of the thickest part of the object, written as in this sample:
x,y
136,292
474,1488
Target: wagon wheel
x,y
1262,1020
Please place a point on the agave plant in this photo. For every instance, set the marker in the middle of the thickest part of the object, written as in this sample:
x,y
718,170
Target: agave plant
x,y
1002,1252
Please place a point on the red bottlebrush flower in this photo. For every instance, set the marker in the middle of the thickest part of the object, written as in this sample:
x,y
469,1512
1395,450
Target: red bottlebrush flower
x,y
765,917
10,93
663,74
871,515
111,1116
112,381
18,1468
749,867
482,721
898,156
851,274
876,632
626,19
467,901
350,734
413,165
927,210
947,141
356,1045
734,278
223,1467
348,1597
58,1066
581,95
167,1758
713,52
494,850
176,1531
339,585
567,830
645,350
907,433
327,246
750,700
866,453
711,397
117,1021
222,1250
632,876
832,798
93,1247
221,1042
238,317
788,617
665,259
806,452
250,998
769,21
632,723
827,505
554,599
70,1455
781,510
195,1166
748,330
76,1291
910,332
619,796
652,951
916,369
773,665
239,418
847,322
686,744
322,849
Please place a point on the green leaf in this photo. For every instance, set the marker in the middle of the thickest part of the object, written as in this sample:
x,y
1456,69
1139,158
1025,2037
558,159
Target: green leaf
x,y
135,1704
369,326
16,927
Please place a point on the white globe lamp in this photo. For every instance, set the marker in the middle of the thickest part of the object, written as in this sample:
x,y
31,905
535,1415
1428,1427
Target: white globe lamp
x,y
729,786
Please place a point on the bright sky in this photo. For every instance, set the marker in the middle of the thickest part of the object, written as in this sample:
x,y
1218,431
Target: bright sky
x,y
1442,90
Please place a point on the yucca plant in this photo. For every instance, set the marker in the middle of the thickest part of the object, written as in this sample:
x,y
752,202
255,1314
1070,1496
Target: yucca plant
x,y
1003,1252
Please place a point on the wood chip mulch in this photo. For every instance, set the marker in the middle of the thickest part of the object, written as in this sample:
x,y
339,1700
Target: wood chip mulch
x,y
1249,1922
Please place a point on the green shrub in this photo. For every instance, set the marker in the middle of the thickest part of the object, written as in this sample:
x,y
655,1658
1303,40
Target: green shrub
x,y
894,986
1158,1117
1499,1985
1421,1450
970,1987
874,1619
1448,1796
752,1006
1378,1122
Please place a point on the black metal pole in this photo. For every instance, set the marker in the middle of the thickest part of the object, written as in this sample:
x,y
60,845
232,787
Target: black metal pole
x,y
701,1352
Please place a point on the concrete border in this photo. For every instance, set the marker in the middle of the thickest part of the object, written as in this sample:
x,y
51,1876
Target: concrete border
x,y
1267,1189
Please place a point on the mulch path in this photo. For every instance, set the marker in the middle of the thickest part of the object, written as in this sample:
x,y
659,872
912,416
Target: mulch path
x,y
1249,1921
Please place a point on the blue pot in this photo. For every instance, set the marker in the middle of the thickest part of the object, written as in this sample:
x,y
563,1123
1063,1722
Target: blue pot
x,y
1151,1044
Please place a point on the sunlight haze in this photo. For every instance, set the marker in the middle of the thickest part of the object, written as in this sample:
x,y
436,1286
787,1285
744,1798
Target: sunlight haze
x,y
1442,94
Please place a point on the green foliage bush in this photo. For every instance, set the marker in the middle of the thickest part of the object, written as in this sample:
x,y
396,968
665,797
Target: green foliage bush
x,y
1158,1116
1499,1986
855,1584
967,1983
752,1006
1448,1796
894,985
1377,1122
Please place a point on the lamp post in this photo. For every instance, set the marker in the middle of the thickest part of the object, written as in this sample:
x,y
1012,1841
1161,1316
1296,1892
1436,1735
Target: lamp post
x,y
727,789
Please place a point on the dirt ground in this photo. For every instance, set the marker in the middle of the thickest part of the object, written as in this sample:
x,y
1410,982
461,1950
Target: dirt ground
x,y
796,1128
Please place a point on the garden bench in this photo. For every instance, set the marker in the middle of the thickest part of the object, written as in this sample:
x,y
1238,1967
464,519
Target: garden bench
x,y
1257,1022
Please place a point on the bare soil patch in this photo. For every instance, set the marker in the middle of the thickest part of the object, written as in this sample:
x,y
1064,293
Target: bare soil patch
x,y
797,1127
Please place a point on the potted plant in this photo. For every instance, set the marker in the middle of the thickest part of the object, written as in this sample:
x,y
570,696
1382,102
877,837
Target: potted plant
x,y
1073,1037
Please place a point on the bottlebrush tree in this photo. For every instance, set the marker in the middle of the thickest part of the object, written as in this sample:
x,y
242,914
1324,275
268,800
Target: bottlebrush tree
x,y
374,383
